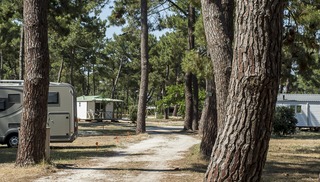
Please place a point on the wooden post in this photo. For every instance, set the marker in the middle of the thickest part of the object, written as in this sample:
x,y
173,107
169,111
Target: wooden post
x,y
47,150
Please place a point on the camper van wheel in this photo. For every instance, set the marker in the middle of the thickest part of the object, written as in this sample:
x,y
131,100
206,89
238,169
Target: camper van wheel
x,y
13,140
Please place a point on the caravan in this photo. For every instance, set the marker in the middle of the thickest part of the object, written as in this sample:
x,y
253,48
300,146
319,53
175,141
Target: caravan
x,y
61,116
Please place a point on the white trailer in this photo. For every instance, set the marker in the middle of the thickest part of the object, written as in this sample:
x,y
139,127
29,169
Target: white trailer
x,y
306,107
62,118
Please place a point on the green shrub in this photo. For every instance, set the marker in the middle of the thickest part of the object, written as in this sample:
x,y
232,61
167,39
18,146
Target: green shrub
x,y
284,121
133,109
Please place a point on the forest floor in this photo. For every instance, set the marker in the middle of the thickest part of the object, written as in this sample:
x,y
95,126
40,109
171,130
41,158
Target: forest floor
x,y
111,151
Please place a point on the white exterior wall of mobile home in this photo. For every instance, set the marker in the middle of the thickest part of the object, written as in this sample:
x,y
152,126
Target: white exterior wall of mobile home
x,y
86,107
82,110
307,108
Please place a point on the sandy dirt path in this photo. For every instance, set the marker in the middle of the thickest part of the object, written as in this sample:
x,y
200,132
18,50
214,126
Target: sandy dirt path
x,y
148,160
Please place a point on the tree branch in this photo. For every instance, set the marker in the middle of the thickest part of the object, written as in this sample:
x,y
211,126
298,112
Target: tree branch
x,y
178,7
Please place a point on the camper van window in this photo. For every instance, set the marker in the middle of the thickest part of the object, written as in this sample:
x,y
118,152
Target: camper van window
x,y
299,110
2,104
53,98
14,98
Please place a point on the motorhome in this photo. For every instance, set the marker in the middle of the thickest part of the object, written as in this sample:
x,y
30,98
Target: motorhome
x,y
61,118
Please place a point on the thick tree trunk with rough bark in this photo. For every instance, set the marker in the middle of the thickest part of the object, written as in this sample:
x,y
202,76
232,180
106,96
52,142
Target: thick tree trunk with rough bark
x,y
142,105
218,24
240,151
208,120
31,149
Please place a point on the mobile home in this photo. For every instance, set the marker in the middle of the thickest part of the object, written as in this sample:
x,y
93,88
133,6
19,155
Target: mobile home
x,y
306,107
61,116
98,108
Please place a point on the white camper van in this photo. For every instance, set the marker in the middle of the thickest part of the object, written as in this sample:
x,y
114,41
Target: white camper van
x,y
62,118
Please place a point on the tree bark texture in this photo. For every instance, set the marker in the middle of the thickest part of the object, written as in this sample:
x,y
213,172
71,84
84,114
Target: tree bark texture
x,y
189,102
218,24
21,55
208,120
60,71
1,65
189,113
31,149
240,151
195,118
141,115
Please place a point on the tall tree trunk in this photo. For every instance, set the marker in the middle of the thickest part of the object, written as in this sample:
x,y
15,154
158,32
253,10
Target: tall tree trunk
x,y
88,80
93,81
195,118
21,54
60,71
189,76
164,92
189,102
175,110
31,149
141,116
72,66
240,151
218,25
208,120
116,80
1,65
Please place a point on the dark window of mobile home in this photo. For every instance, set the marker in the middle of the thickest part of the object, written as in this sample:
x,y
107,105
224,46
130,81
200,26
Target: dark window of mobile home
x,y
2,104
53,98
14,98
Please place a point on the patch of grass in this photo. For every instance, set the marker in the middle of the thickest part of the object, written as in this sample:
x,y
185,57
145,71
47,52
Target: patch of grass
x,y
190,168
11,173
302,135
290,158
8,155
293,158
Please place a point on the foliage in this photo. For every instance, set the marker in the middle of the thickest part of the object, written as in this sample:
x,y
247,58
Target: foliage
x,y
196,63
10,23
284,121
133,109
174,96
301,46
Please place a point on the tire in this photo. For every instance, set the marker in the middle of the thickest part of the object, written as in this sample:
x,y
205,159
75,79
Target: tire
x,y
13,140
